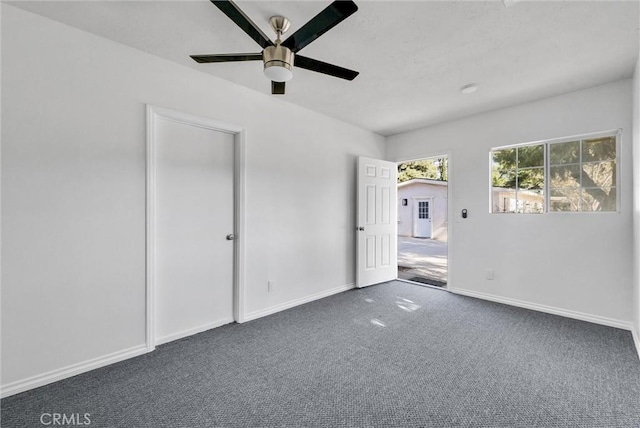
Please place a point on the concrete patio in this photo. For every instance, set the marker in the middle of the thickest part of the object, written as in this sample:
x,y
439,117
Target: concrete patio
x,y
422,258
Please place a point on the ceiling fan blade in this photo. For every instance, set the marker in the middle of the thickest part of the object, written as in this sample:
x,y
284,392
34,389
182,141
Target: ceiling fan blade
x,y
226,57
331,16
324,68
234,13
277,88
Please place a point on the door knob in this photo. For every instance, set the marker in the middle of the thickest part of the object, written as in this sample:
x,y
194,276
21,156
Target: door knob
x,y
361,229
231,237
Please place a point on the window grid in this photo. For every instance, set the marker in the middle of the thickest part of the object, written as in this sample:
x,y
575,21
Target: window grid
x,y
423,209
576,164
526,192
584,191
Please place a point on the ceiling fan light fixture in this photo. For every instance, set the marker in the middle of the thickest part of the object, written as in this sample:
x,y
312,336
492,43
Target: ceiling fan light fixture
x,y
278,63
278,71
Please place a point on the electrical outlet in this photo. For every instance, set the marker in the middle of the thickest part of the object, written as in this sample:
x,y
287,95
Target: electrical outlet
x,y
489,274
270,286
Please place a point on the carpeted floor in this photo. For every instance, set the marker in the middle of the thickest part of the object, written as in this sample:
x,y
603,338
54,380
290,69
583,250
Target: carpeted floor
x,y
391,355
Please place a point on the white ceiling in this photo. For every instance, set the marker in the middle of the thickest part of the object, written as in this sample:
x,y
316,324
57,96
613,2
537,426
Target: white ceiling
x,y
413,57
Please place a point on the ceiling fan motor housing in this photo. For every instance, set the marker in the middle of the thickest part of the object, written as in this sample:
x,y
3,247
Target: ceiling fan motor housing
x,y
276,57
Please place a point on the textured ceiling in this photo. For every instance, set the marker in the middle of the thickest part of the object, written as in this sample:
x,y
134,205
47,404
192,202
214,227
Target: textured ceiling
x,y
413,57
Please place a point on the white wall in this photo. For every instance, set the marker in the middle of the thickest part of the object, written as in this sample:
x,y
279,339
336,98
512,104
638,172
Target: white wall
x,y
577,264
636,203
73,189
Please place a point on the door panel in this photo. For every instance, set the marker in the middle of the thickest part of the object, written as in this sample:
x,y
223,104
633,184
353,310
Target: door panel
x,y
385,210
377,222
385,248
193,214
371,252
371,205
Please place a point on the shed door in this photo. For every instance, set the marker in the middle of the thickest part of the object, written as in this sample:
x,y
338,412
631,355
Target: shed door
x,y
422,218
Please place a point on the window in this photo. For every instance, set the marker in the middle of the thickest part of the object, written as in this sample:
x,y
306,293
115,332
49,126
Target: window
x,y
423,209
574,175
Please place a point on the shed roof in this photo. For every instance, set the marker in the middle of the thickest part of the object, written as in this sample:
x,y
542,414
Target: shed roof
x,y
422,181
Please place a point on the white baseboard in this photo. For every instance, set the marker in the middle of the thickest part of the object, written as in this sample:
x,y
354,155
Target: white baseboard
x,y
610,322
192,331
636,340
281,307
69,371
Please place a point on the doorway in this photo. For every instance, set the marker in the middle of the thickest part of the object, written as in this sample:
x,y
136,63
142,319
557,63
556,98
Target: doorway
x,y
423,220
194,207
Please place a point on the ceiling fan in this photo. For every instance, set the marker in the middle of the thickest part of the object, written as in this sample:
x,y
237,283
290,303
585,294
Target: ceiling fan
x,y
280,57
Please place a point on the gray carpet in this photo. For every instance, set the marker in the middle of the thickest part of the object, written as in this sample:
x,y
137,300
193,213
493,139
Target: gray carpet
x,y
391,355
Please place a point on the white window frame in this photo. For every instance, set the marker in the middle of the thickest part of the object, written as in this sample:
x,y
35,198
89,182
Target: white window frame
x,y
617,133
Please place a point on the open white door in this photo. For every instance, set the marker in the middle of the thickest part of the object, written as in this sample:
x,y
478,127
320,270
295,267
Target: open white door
x,y
377,255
